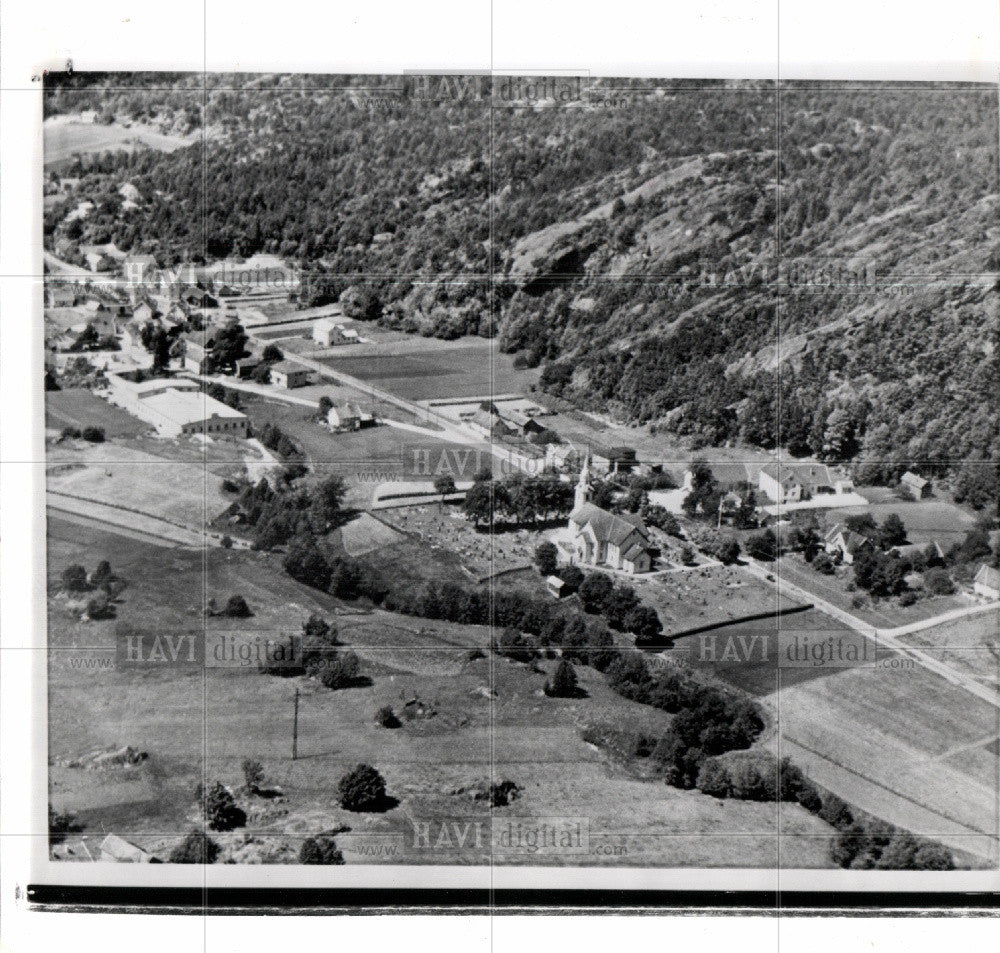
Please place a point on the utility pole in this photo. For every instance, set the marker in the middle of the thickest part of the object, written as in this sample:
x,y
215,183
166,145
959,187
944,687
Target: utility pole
x,y
295,728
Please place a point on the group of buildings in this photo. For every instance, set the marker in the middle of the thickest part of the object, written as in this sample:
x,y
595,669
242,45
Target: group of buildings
x,y
175,406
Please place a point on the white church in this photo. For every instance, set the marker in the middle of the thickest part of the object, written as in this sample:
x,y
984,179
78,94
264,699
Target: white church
x,y
601,538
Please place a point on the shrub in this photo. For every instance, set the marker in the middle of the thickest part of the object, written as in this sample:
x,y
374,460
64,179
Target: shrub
x,y
362,789
938,582
229,486
503,792
226,542
513,645
237,608
595,591
713,778
572,576
687,555
823,563
836,812
908,598
728,550
74,579
70,433
102,573
196,848
320,850
340,671
563,683
93,434
386,717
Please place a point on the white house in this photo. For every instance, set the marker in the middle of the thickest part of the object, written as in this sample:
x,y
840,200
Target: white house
x,y
602,538
793,482
842,542
987,582
327,333
348,415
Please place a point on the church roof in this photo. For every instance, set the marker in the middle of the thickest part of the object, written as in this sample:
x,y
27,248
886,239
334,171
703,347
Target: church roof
x,y
607,527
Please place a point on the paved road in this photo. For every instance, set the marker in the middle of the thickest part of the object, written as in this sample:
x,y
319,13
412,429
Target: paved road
x,y
888,638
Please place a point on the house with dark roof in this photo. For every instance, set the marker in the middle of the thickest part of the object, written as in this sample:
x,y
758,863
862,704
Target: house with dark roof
x,y
844,543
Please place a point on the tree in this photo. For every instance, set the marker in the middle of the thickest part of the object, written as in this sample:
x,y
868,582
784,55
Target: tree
x,y
74,579
594,592
444,484
362,789
237,608
603,495
261,374
386,717
222,813
272,354
823,563
892,532
325,406
320,850
728,550
341,670
762,545
478,504
563,683
546,558
102,573
93,434
253,775
644,623
572,576
196,848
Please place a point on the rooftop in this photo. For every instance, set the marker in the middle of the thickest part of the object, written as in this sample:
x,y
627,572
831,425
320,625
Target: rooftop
x,y
189,407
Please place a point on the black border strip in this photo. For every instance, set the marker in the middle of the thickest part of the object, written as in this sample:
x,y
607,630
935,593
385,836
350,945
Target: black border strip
x,y
287,900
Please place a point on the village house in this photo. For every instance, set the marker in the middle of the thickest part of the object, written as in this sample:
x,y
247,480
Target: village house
x,y
349,416
602,538
919,551
987,582
915,485
794,482
196,356
328,333
845,544
488,423
288,375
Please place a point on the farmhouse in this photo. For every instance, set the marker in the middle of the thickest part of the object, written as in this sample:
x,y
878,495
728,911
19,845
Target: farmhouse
x,y
842,542
327,333
288,375
912,551
348,416
793,482
487,422
602,538
196,356
987,582
175,406
915,485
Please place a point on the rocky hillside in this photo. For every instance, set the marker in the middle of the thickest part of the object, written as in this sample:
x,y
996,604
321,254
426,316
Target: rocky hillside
x,y
813,267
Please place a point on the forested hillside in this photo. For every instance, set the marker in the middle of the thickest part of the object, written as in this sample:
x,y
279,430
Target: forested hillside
x,y
630,248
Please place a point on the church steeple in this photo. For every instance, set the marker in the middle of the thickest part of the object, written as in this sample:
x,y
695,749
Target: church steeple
x,y
583,488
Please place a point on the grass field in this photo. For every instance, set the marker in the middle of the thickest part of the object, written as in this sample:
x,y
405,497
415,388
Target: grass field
x,y
79,407
64,139
182,493
970,645
490,719
441,372
924,521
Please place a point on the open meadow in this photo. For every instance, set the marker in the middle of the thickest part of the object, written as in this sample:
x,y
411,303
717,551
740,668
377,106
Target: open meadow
x,y
464,717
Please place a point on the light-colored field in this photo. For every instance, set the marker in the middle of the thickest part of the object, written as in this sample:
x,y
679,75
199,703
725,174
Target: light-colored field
x,y
179,492
65,138
880,737
970,645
